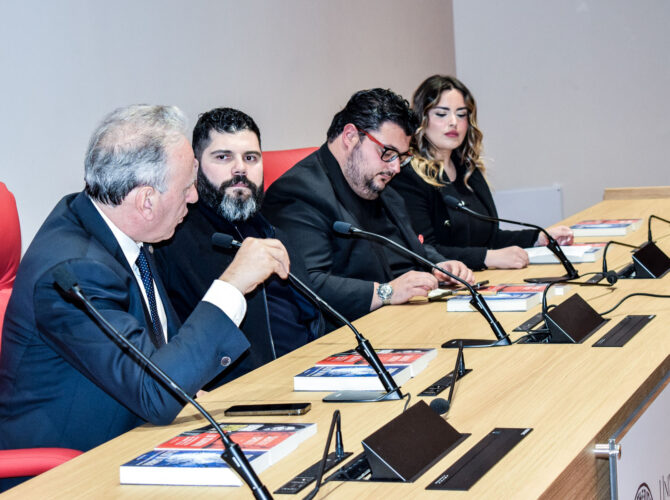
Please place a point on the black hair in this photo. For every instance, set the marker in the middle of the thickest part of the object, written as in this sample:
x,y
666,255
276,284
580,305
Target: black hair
x,y
368,109
223,120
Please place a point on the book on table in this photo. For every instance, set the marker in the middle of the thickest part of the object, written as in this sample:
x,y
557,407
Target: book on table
x,y
347,378
509,300
500,302
577,253
605,227
416,359
194,457
187,468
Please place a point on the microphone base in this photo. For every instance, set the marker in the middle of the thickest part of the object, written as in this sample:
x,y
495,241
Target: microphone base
x,y
467,343
362,396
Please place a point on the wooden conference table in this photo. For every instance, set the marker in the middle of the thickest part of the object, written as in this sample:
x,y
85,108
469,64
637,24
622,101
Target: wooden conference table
x,y
573,396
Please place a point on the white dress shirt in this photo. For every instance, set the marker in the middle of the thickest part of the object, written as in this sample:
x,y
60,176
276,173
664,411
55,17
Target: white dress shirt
x,y
222,294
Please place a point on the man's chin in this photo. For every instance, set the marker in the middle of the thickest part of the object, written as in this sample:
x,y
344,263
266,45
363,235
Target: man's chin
x,y
241,193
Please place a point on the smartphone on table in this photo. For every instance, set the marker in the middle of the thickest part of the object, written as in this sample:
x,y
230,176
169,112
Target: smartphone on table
x,y
268,409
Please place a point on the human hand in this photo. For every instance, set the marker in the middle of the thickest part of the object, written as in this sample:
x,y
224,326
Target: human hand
x,y
408,285
457,268
254,262
506,258
562,234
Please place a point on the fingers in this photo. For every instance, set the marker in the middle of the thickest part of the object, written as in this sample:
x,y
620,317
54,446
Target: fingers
x,y
507,258
456,268
562,234
255,261
412,284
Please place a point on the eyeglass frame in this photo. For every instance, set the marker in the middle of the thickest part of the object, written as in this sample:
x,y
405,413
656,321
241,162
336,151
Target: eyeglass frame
x,y
396,154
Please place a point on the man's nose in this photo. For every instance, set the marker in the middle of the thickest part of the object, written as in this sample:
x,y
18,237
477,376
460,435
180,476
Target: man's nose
x,y
239,167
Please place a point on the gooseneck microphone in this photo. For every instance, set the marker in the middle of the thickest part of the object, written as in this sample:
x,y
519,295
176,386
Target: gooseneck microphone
x,y
364,348
652,216
440,405
613,276
571,272
232,453
477,300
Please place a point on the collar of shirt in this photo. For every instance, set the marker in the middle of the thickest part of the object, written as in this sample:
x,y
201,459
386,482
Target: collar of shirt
x,y
129,247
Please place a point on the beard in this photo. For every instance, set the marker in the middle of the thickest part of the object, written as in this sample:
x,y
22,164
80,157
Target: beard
x,y
366,187
235,206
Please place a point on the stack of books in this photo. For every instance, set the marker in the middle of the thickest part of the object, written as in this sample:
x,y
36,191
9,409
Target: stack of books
x,y
577,253
194,457
349,371
605,227
505,297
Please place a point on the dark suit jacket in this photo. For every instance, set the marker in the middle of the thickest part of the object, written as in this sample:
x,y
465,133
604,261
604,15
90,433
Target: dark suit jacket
x,y
188,263
63,382
304,205
461,238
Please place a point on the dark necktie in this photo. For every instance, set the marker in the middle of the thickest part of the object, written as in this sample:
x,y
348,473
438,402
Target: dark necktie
x,y
148,282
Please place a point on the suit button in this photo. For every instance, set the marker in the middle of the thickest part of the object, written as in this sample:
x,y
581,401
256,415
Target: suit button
x,y
225,361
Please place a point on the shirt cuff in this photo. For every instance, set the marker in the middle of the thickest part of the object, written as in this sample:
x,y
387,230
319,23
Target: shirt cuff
x,y
227,298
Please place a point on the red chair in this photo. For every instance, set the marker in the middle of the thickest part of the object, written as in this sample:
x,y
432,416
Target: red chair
x,y
29,461
10,247
277,162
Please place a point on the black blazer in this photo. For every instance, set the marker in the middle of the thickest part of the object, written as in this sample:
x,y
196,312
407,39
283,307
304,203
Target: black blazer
x,y
454,240
304,205
188,263
63,382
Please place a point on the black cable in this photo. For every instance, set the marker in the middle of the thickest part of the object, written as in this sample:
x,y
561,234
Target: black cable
x,y
605,253
642,294
652,216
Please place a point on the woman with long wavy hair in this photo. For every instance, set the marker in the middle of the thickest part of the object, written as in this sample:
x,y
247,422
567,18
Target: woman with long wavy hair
x,y
447,161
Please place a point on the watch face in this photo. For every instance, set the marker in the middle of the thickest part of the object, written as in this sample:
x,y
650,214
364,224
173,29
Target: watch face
x,y
385,291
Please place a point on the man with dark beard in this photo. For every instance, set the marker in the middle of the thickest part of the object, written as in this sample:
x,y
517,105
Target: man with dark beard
x,y
279,319
346,179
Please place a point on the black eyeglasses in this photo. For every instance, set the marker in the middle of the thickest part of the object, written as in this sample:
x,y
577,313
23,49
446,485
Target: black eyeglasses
x,y
389,154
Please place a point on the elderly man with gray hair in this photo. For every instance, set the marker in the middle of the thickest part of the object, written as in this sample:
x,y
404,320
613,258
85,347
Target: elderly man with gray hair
x,y
63,382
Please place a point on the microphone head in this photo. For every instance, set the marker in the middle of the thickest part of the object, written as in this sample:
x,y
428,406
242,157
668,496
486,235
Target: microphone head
x,y
223,240
65,280
440,406
341,227
611,277
452,202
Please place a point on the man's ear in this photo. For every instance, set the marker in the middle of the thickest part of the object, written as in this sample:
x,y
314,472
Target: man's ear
x,y
145,202
350,136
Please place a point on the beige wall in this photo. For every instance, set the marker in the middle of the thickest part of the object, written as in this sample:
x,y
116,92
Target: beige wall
x,y
570,92
291,64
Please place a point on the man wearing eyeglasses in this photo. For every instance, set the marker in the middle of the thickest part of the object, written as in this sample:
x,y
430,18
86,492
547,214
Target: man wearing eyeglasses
x,y
346,179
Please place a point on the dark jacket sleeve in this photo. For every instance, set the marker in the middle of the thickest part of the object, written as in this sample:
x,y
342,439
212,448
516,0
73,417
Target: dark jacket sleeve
x,y
295,209
428,214
192,357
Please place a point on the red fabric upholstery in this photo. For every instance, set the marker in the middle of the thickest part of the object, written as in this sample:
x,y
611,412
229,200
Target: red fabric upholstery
x,y
10,247
10,242
29,461
277,162
32,461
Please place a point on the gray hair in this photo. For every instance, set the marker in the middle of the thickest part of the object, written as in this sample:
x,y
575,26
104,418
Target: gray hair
x,y
129,149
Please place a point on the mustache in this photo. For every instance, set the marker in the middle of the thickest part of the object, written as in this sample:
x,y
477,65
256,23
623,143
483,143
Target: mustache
x,y
238,179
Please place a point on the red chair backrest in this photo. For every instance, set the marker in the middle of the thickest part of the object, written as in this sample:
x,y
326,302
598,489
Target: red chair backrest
x,y
277,162
10,247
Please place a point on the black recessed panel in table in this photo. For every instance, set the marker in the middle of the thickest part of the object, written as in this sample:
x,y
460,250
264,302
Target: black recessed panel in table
x,y
479,459
624,330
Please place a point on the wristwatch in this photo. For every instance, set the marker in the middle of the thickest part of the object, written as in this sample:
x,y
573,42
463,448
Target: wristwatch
x,y
384,292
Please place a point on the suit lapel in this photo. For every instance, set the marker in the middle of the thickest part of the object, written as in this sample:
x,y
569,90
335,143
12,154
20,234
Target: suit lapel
x,y
91,220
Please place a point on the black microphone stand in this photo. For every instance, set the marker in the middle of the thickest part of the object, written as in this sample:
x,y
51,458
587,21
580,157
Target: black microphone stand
x,y
477,300
552,244
364,348
232,453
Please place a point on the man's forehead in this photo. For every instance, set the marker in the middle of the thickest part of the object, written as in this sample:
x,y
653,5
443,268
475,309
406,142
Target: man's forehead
x,y
392,134
229,140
